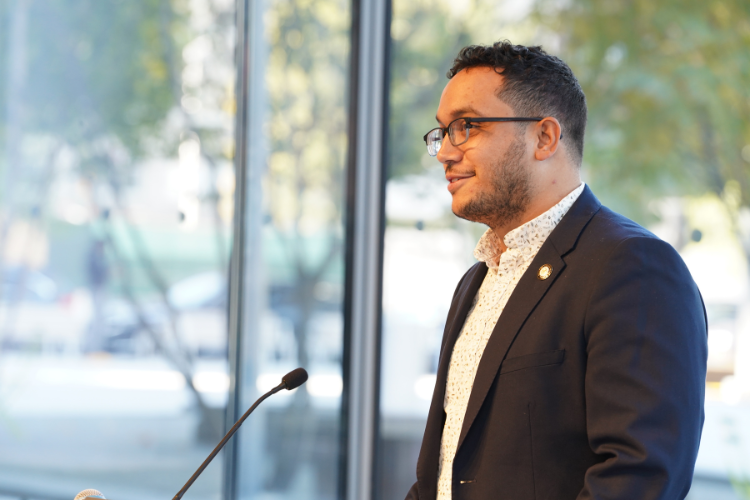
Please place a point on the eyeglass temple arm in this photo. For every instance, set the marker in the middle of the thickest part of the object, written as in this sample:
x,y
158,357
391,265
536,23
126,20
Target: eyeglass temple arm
x,y
510,119
480,120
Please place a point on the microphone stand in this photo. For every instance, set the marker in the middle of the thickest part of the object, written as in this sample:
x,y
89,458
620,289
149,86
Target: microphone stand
x,y
282,385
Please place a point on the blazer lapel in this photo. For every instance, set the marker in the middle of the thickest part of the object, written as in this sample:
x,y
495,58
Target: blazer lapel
x,y
453,326
528,293
427,466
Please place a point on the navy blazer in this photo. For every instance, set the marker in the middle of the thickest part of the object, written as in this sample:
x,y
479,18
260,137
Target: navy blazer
x,y
592,383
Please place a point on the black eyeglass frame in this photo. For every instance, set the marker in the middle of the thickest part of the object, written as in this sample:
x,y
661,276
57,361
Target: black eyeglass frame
x,y
469,121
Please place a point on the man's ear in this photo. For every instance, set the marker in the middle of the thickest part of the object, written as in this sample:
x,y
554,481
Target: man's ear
x,y
547,135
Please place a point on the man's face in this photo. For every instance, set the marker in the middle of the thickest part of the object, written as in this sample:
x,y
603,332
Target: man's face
x,y
488,175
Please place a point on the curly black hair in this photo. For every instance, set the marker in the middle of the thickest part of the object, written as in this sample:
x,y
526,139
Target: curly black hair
x,y
536,84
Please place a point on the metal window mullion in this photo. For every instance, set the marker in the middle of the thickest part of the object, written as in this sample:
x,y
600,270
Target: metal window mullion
x,y
244,312
370,38
237,262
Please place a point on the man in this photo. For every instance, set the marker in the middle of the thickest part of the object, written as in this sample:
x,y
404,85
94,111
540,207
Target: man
x,y
573,360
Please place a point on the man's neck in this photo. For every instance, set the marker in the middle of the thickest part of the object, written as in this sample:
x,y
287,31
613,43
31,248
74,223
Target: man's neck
x,y
540,204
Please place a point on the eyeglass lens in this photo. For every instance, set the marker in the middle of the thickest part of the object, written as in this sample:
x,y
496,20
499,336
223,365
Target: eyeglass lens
x,y
458,133
434,141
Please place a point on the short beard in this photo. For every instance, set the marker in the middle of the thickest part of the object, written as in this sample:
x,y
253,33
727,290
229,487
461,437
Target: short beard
x,y
510,195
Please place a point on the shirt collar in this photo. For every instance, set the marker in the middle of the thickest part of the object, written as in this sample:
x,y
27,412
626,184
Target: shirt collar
x,y
527,238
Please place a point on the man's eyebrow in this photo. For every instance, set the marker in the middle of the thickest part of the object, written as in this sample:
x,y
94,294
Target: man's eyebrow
x,y
461,112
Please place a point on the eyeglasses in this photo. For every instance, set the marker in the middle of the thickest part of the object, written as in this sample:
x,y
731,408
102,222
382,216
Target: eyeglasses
x,y
458,131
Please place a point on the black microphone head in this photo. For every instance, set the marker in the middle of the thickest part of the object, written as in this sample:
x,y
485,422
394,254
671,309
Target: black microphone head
x,y
294,378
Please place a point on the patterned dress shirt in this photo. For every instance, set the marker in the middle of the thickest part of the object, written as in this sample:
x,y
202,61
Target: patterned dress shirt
x,y
505,269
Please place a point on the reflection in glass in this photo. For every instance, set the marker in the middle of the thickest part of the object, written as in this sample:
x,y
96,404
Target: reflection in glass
x,y
116,194
293,286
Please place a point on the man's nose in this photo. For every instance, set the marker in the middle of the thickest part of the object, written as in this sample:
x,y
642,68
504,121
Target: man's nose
x,y
449,153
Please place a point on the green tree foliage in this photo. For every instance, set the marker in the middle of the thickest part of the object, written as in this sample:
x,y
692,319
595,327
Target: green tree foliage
x,y
110,62
96,78
303,99
89,90
306,84
308,68
668,89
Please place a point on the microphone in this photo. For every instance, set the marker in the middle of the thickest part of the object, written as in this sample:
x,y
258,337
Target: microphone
x,y
291,380
89,494
294,378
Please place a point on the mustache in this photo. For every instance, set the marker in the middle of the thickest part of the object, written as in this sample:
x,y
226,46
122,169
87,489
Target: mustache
x,y
451,170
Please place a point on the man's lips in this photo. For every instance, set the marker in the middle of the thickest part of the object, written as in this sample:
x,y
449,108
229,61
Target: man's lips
x,y
455,181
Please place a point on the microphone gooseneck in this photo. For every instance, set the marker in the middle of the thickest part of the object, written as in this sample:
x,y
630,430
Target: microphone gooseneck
x,y
291,380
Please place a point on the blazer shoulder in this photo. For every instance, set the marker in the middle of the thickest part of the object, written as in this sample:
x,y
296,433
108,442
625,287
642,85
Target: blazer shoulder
x,y
609,229
614,243
611,237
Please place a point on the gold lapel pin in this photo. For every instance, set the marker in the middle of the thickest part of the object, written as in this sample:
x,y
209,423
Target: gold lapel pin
x,y
544,272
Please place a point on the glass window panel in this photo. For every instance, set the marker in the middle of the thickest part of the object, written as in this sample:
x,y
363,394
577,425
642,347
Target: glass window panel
x,y
667,145
297,139
116,200
427,249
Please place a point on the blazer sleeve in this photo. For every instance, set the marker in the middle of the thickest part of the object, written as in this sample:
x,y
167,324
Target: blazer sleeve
x,y
646,337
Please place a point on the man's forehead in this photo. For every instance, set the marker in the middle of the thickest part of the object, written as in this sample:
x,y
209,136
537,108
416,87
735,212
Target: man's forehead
x,y
471,92
463,111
